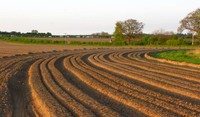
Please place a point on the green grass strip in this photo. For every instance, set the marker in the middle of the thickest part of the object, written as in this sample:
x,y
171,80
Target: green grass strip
x,y
177,55
52,42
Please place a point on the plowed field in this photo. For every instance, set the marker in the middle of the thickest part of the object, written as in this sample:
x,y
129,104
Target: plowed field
x,y
97,82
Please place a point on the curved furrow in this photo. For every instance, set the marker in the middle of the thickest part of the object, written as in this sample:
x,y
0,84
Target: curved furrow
x,y
63,97
152,76
18,89
180,70
185,64
43,101
185,68
5,101
179,81
77,94
128,73
147,92
188,80
7,64
116,93
160,69
135,93
9,76
97,82
139,57
158,77
124,110
14,87
10,63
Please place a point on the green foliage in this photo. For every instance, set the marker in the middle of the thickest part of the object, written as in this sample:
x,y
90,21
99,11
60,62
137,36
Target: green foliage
x,y
145,40
178,42
153,40
30,41
118,34
173,42
177,55
75,43
120,43
90,43
28,34
43,41
127,30
131,27
170,40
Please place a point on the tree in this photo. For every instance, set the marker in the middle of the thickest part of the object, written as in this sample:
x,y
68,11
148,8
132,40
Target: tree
x,y
162,32
118,34
34,31
192,23
104,34
48,34
132,27
101,35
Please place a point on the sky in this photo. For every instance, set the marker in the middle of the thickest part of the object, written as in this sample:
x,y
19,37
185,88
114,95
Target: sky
x,y
91,16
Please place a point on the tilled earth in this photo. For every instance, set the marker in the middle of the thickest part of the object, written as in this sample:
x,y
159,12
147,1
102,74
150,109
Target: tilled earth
x,y
97,82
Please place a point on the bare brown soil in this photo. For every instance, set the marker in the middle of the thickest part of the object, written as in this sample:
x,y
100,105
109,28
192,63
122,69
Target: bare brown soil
x,y
11,49
97,82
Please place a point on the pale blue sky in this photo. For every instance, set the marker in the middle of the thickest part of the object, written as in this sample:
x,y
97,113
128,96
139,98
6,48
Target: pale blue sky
x,y
88,16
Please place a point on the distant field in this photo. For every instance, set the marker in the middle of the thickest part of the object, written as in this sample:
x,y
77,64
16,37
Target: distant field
x,y
78,39
59,41
10,49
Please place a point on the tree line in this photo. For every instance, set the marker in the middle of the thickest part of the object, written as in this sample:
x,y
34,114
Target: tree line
x,y
129,32
33,33
126,31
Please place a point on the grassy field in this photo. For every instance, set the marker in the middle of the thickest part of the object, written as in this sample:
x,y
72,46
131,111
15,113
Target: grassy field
x,y
179,55
82,42
56,41
76,39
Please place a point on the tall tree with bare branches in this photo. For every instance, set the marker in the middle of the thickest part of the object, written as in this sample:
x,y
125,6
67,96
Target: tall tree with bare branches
x,y
132,27
192,23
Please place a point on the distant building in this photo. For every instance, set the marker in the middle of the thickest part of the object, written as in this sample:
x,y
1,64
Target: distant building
x,y
78,36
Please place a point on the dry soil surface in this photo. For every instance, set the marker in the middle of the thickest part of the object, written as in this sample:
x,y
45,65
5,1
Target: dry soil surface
x,y
11,49
94,82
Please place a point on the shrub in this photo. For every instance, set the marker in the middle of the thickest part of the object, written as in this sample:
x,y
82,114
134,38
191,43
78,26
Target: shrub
x,y
154,39
120,43
173,42
145,40
195,53
75,43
